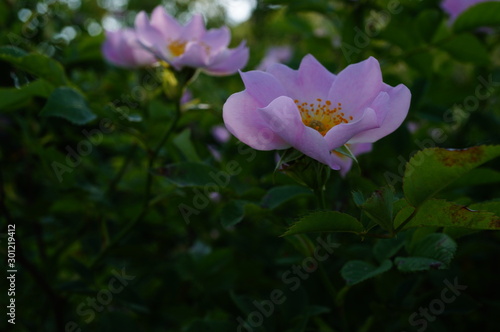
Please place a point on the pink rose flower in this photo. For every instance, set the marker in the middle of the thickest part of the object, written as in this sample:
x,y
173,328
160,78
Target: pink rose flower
x,y
122,49
275,54
315,111
190,45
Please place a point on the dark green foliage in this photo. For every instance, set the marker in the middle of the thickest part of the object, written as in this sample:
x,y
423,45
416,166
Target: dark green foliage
x,y
202,235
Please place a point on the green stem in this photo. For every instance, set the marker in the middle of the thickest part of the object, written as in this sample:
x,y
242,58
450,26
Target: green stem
x,y
147,196
328,283
320,195
407,220
377,236
123,168
309,250
156,151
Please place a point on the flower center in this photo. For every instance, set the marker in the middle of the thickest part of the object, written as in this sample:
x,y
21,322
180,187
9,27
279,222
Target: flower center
x,y
322,116
177,47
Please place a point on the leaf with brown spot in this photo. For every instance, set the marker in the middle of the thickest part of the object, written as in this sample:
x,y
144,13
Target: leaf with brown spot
x,y
431,170
440,213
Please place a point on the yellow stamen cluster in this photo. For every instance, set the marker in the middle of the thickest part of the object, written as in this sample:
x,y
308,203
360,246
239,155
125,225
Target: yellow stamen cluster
x,y
177,47
321,116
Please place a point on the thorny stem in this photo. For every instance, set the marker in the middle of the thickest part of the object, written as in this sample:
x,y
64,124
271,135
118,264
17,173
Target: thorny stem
x,y
149,182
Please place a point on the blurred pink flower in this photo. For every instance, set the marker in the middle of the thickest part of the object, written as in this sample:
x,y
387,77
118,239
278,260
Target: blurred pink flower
x,y
412,126
455,7
122,49
221,134
187,96
315,111
190,45
276,54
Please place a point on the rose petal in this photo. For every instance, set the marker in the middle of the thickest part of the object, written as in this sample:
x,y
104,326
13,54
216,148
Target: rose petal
x,y
310,82
110,47
229,61
284,120
243,120
344,162
195,29
361,148
286,76
275,54
392,107
315,80
357,86
148,35
168,26
262,86
217,39
122,49
195,55
343,133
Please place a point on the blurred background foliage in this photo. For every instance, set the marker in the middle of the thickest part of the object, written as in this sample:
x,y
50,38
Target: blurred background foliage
x,y
202,275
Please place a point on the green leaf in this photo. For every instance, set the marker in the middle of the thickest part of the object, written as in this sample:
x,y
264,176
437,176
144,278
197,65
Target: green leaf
x,y
434,251
437,246
478,176
491,206
414,264
431,170
69,104
358,197
279,195
427,23
233,212
344,150
467,48
379,207
192,174
357,271
185,146
36,64
326,221
457,232
479,15
12,97
386,248
440,213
